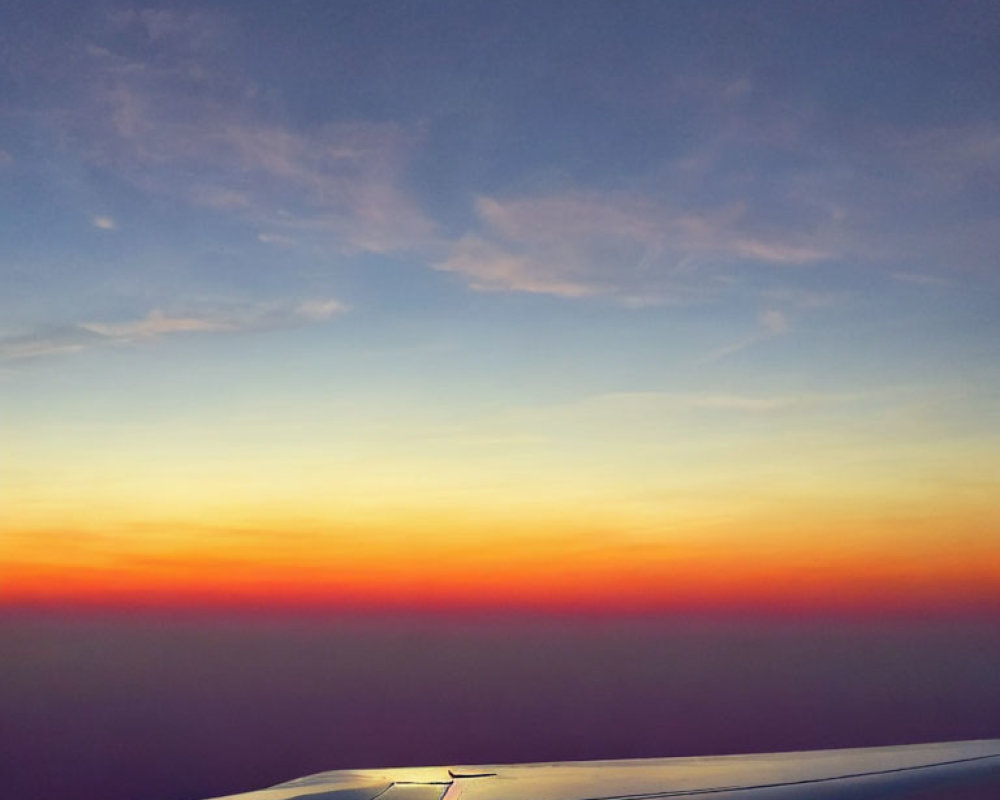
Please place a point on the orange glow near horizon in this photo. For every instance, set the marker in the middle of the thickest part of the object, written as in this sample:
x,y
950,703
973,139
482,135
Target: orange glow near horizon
x,y
619,503
746,565
615,326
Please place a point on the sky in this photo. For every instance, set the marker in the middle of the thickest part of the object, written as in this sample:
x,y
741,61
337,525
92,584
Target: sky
x,y
575,307
424,382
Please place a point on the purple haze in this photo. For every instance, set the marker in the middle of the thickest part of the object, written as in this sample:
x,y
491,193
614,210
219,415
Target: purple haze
x,y
176,709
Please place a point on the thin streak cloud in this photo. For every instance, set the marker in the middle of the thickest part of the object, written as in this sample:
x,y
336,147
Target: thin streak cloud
x,y
623,245
772,323
921,279
157,324
181,122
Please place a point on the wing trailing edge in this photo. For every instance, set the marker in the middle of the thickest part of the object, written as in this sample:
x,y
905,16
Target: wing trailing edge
x,y
871,773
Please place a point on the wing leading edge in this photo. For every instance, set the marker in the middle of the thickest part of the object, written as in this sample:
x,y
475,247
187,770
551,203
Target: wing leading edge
x,y
859,774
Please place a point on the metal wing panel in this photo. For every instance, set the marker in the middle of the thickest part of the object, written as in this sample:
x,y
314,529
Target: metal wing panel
x,y
858,774
780,775
867,772
317,791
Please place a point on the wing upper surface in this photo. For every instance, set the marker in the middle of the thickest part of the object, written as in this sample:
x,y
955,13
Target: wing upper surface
x,y
855,774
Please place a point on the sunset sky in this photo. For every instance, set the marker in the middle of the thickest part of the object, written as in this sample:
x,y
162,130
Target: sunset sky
x,y
448,305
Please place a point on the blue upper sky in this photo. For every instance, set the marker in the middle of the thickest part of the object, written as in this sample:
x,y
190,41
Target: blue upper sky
x,y
448,210
203,163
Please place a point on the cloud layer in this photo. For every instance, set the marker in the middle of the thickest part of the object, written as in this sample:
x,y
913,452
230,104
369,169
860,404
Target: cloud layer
x,y
738,190
157,324
621,244
182,121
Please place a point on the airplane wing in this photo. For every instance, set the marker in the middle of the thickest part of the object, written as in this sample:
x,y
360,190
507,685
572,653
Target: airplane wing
x,y
859,774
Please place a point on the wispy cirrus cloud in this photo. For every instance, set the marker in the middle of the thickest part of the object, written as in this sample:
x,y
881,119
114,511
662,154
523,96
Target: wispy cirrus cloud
x,y
698,401
48,341
641,408
741,402
490,267
320,309
181,121
167,109
922,279
624,245
944,156
771,322
896,199
884,197
277,239
802,299
158,323
627,414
